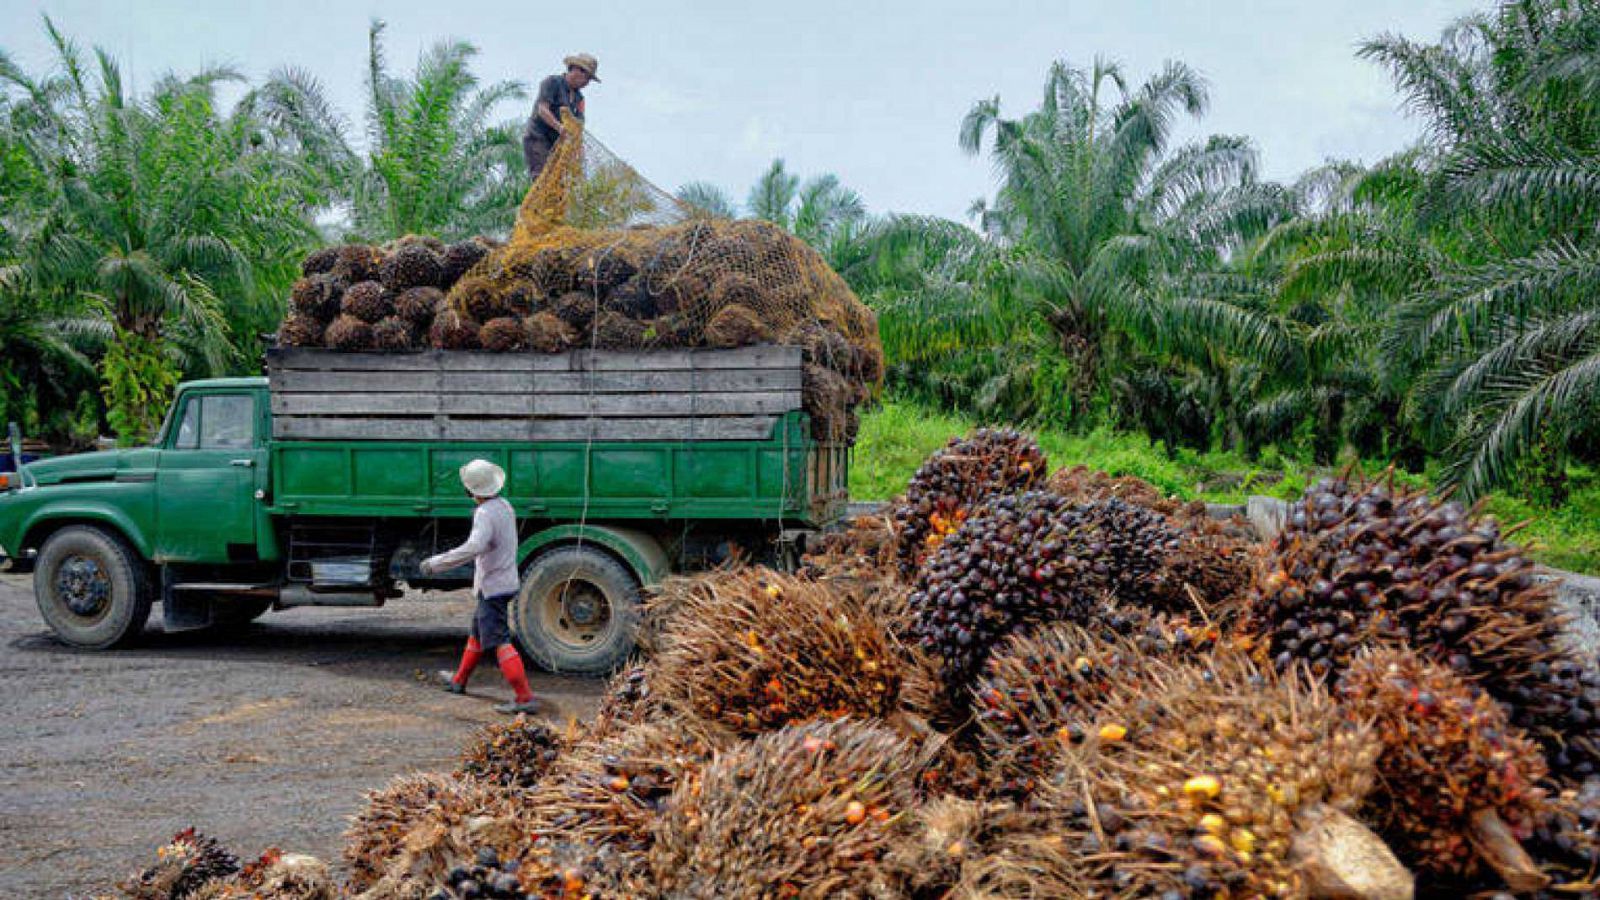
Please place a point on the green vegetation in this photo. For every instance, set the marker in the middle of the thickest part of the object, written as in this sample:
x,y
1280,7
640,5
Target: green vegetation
x,y
134,217
898,436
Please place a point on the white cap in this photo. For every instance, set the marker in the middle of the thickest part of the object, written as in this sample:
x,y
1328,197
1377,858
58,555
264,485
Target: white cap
x,y
483,478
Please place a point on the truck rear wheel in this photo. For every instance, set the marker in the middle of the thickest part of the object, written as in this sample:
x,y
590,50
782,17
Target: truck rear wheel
x,y
92,589
577,611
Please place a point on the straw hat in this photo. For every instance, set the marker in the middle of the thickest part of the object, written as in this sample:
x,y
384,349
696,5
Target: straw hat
x,y
483,478
586,62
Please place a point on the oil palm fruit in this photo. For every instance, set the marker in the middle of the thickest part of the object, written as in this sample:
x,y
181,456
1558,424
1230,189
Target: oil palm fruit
x,y
810,810
1368,564
956,478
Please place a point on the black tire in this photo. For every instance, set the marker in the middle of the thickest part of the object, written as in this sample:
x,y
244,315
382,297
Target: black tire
x,y
237,612
93,590
577,611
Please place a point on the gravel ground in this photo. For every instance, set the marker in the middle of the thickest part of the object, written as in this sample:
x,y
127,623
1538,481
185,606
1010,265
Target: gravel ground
x,y
265,737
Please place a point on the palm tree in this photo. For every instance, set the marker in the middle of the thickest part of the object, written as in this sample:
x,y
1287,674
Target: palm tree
x,y
46,369
1504,334
709,200
819,211
150,211
1104,243
436,161
1325,276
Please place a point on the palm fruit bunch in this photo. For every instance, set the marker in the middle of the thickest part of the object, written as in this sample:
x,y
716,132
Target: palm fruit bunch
x,y
348,333
576,309
316,297
410,264
413,831
356,262
521,300
736,326
943,836
1213,559
829,398
184,866
811,810
487,878
453,331
825,347
1202,780
956,478
458,258
547,333
603,269
593,816
418,305
392,334
366,301
1023,560
1040,692
1369,564
300,331
633,299
319,262
864,549
613,330
503,335
752,650
1460,784
479,298
513,754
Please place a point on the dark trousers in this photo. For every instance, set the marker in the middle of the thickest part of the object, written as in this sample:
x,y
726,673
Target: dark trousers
x,y
490,621
535,152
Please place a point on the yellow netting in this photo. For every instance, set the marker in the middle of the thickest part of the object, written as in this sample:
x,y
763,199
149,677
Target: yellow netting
x,y
602,258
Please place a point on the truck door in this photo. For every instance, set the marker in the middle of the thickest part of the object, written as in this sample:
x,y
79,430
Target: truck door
x,y
206,481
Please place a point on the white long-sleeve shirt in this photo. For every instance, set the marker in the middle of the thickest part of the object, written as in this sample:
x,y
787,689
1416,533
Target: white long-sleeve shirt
x,y
492,545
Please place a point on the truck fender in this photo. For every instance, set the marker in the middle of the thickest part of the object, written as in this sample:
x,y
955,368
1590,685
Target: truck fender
x,y
46,517
638,550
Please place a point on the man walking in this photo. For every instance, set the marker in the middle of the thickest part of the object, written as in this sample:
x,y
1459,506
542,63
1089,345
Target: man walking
x,y
556,93
492,546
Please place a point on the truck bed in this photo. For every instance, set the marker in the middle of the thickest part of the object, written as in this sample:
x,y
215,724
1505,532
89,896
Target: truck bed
x,y
681,395
701,434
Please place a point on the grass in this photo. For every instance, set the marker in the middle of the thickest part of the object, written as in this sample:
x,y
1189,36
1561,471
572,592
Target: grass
x,y
897,437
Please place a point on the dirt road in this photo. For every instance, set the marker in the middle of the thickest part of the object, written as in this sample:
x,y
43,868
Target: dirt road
x,y
265,737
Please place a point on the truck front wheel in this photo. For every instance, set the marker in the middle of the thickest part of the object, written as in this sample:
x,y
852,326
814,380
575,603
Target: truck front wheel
x,y
92,589
577,611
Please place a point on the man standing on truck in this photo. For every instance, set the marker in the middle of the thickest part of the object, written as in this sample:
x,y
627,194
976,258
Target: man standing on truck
x,y
556,93
492,546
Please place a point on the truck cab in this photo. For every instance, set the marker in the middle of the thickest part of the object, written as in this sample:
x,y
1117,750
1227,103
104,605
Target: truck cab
x,y
100,530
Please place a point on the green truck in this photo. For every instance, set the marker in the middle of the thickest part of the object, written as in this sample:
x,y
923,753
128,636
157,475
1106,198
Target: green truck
x,y
327,481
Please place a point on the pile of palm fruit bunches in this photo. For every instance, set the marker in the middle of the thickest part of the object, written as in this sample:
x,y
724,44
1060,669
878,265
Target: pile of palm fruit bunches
x,y
1019,684
689,291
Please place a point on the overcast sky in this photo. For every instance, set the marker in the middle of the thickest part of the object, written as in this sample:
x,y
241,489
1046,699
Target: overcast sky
x,y
872,91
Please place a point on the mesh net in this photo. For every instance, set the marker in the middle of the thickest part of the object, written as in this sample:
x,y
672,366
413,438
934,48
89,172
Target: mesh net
x,y
628,265
601,258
